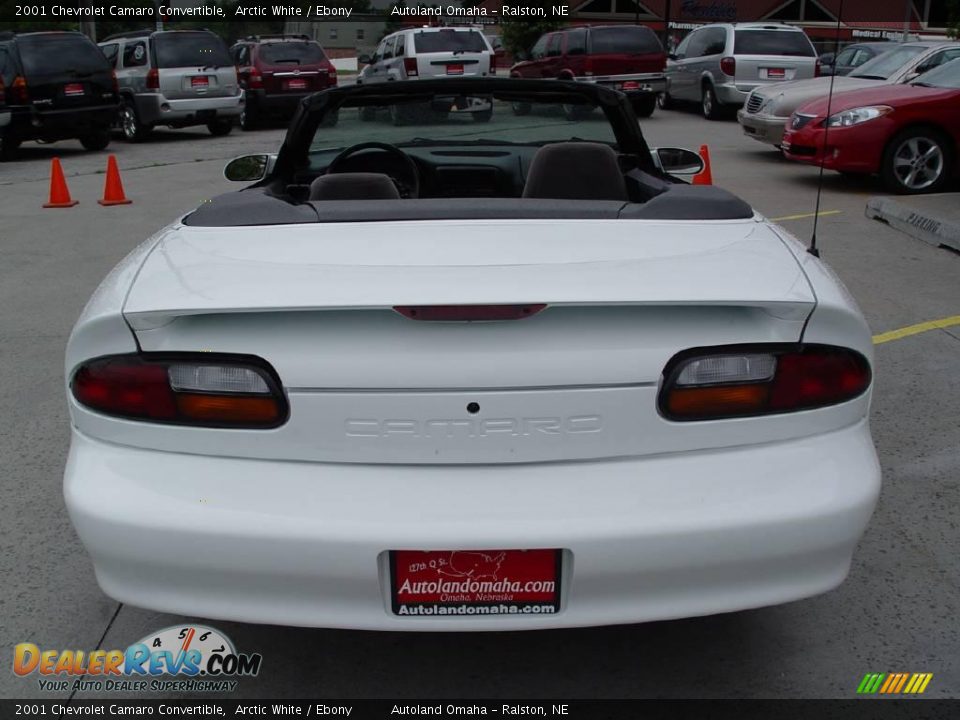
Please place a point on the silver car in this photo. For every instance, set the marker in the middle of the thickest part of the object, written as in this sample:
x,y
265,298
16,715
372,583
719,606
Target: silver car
x,y
718,65
765,114
176,78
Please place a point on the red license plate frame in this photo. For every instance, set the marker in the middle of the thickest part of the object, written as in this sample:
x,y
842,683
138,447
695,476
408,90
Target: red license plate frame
x,y
454,68
297,84
198,81
471,583
74,90
777,73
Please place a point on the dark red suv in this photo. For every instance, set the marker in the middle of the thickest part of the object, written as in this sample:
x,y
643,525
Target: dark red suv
x,y
629,58
276,71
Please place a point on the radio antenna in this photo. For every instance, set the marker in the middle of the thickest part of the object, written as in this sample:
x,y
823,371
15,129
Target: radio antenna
x,y
813,250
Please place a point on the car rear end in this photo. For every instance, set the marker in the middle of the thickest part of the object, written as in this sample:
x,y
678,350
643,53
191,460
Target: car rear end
x,y
447,52
628,58
60,86
471,433
284,72
762,56
193,79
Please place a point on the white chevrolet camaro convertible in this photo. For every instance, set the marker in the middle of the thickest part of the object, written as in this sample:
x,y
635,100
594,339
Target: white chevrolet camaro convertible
x,y
476,375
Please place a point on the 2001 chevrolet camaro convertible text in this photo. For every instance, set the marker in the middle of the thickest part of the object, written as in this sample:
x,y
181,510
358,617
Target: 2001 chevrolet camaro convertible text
x,y
491,372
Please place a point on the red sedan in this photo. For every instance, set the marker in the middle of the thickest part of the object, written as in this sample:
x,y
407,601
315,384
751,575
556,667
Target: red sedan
x,y
909,134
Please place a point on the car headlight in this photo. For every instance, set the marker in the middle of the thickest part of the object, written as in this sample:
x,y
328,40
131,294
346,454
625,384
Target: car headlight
x,y
857,115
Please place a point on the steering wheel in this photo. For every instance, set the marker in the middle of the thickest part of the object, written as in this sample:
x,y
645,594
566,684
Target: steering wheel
x,y
408,186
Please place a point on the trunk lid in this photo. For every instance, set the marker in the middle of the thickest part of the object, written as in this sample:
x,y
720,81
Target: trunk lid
x,y
768,55
64,71
293,66
622,50
194,65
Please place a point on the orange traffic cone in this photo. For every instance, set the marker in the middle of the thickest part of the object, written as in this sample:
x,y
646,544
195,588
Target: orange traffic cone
x,y
704,177
59,193
113,188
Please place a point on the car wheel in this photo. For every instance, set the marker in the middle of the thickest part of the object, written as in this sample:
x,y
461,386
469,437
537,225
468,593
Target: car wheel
x,y
483,115
219,128
917,160
8,147
367,114
712,109
521,108
664,101
248,118
97,140
645,105
133,129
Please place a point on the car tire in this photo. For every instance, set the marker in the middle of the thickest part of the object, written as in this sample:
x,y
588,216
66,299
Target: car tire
x,y
521,108
219,128
368,114
133,129
917,160
483,115
664,101
645,105
97,140
248,118
8,147
709,104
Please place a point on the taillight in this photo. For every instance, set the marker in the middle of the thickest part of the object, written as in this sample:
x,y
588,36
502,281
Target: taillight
x,y
255,80
588,65
410,67
466,313
19,93
817,68
710,384
153,79
493,64
728,66
208,391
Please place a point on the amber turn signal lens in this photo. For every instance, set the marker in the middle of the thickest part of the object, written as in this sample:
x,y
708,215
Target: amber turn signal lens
x,y
718,400
223,408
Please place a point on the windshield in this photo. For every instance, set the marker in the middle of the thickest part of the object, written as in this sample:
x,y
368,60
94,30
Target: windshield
x,y
190,49
945,76
66,55
291,53
772,42
624,40
883,67
437,120
449,40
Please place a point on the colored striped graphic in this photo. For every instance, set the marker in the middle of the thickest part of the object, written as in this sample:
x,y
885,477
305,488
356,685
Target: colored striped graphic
x,y
894,683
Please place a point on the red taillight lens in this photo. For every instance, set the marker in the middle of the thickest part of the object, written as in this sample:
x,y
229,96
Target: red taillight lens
x,y
210,391
588,65
255,79
465,313
153,79
728,66
19,93
715,384
410,66
493,64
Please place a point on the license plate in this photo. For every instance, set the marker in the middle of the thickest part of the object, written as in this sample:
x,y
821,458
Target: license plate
x,y
456,69
785,145
777,73
457,583
73,89
199,81
296,84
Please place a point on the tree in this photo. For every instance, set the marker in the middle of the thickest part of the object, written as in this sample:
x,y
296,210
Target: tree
x,y
518,36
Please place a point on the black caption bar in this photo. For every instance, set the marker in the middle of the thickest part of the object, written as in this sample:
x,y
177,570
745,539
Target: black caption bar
x,y
574,709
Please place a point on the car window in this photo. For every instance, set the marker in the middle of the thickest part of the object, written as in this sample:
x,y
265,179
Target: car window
x,y
938,59
945,76
135,54
625,39
292,53
553,47
388,46
576,42
400,47
539,48
773,42
7,69
684,46
110,53
846,57
889,63
714,42
449,40
190,49
48,54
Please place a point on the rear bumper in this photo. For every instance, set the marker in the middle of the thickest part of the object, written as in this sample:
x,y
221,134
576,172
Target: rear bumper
x,y
648,83
731,93
304,544
279,103
763,128
60,124
155,109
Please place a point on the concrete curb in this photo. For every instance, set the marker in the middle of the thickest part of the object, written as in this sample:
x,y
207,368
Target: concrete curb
x,y
932,218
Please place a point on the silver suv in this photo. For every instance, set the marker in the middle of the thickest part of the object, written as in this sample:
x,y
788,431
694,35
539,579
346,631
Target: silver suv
x,y
176,78
718,65
431,52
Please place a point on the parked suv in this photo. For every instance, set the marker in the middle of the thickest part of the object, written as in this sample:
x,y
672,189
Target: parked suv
x,y
57,86
629,58
176,78
718,65
276,71
430,53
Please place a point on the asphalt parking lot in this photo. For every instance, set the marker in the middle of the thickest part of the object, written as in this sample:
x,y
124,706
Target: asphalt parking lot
x,y
896,612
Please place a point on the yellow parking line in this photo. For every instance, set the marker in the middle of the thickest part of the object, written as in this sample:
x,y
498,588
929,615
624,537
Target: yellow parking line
x,y
916,329
803,216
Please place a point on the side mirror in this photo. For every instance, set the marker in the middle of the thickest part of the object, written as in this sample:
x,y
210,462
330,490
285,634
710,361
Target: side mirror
x,y
521,56
364,59
249,168
672,56
827,58
679,161
912,75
